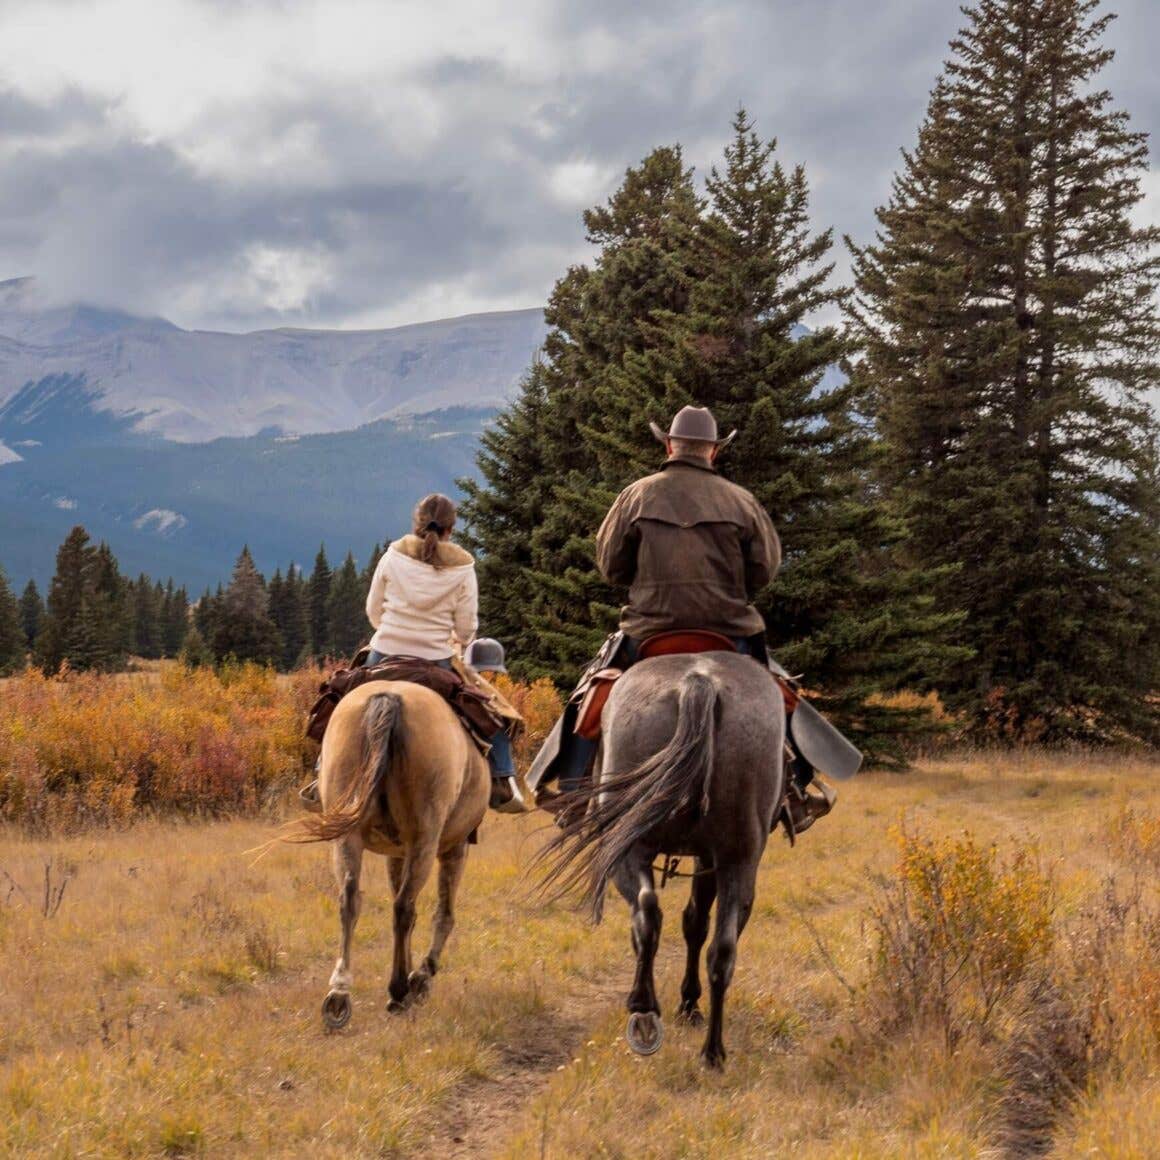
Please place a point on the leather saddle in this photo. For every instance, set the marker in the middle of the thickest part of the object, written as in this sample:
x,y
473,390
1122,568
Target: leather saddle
x,y
662,644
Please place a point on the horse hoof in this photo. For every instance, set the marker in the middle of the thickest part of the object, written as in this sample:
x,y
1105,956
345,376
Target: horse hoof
x,y
420,984
336,1010
713,1061
645,1032
690,1016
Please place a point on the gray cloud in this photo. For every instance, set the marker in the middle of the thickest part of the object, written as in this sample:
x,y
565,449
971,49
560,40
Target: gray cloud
x,y
451,178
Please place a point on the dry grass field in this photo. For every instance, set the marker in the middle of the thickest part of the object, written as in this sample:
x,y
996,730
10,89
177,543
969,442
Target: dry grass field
x,y
160,992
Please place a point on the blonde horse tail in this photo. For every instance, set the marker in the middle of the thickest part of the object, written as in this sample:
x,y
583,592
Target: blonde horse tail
x,y
382,748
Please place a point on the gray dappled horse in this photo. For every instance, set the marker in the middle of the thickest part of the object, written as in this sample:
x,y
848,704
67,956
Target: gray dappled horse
x,y
692,764
399,776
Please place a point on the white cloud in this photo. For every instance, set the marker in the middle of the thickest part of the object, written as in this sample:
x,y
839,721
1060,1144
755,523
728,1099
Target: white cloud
x,y
241,163
579,184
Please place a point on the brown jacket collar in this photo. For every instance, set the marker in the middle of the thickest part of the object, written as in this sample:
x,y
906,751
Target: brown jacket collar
x,y
447,554
689,461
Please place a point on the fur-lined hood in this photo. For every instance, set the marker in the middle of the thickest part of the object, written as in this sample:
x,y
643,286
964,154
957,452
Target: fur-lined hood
x,y
447,554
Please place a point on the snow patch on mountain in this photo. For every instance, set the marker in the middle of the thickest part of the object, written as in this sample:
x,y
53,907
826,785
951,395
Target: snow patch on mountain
x,y
163,521
193,386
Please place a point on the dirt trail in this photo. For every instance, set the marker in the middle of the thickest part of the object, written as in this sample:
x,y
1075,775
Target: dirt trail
x,y
485,1112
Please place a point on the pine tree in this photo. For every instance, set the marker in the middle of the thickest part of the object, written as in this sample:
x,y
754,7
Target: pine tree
x,y
31,612
368,573
501,514
145,614
289,612
68,601
544,501
174,619
1009,320
346,618
206,612
318,593
195,653
112,624
12,639
244,630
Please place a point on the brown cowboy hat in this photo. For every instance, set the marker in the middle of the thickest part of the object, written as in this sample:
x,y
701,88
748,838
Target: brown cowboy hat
x,y
693,423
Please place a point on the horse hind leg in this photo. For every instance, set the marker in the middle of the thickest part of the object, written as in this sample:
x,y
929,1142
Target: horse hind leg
x,y
451,867
336,1008
695,927
636,882
416,869
735,891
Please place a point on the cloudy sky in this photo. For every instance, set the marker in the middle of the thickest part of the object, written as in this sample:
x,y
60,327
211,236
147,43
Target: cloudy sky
x,y
246,163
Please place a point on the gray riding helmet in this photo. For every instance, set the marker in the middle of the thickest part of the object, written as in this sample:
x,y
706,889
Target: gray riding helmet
x,y
485,654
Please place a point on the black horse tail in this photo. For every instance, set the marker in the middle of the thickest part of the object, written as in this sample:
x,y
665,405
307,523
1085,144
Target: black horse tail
x,y
610,817
382,747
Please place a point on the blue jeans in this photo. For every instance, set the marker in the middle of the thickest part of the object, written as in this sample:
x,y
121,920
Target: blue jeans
x,y
577,753
500,757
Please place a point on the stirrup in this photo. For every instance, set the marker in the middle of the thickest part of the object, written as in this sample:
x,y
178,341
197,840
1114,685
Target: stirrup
x,y
800,808
506,796
309,799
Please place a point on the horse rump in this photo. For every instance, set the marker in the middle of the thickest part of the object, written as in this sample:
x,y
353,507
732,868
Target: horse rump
x,y
607,817
382,748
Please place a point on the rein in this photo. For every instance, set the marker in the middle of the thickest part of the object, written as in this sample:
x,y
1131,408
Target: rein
x,y
668,869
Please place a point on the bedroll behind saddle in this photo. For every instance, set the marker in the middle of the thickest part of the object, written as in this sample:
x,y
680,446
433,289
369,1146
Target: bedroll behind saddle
x,y
470,706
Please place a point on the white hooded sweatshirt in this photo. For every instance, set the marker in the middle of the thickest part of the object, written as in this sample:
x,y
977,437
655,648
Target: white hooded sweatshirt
x,y
415,608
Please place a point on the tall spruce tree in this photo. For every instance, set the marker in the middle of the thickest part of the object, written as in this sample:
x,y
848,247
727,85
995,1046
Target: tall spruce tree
x,y
12,640
837,611
318,593
368,573
702,301
289,612
543,499
69,600
145,615
502,513
243,629
346,618
31,612
174,619
1008,314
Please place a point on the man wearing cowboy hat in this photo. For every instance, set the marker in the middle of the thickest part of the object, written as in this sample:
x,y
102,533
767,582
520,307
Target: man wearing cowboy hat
x,y
693,549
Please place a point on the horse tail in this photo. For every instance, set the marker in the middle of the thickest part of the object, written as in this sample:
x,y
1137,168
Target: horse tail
x,y
612,816
382,747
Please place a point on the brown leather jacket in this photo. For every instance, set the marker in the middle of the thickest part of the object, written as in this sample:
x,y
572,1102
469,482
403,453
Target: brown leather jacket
x,y
692,548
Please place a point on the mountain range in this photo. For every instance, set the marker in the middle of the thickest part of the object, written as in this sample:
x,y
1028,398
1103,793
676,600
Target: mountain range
x,y
179,446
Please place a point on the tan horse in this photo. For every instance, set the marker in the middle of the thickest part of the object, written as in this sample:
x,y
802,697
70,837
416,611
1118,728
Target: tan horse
x,y
398,745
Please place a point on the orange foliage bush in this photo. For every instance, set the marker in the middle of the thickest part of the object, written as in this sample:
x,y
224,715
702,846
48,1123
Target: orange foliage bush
x,y
539,704
957,930
90,749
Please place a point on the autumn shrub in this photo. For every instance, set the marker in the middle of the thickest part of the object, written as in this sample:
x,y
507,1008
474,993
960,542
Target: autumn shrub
x,y
88,749
955,932
1136,835
83,749
540,704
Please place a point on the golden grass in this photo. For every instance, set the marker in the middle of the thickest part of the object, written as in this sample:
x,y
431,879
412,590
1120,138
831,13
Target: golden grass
x,y
170,1006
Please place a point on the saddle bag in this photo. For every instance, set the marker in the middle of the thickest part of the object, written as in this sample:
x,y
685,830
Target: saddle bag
x,y
470,707
592,704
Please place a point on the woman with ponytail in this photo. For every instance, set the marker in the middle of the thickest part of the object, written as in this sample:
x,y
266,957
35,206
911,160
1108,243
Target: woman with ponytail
x,y
424,602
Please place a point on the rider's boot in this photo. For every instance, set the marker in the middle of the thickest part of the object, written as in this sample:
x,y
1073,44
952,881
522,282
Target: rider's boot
x,y
506,796
804,806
